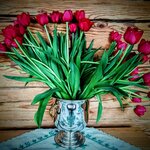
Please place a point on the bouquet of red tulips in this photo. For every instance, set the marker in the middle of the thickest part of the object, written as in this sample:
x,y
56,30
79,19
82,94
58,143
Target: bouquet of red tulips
x,y
63,62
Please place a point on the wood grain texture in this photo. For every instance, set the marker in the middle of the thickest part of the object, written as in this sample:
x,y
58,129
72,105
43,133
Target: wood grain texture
x,y
15,99
101,9
16,110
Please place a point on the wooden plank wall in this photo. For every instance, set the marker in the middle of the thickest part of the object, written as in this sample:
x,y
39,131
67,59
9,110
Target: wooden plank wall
x,y
15,99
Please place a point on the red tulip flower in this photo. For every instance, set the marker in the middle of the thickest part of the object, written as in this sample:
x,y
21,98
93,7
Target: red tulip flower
x,y
85,24
79,14
9,32
115,36
121,45
67,16
42,19
144,47
134,74
55,16
146,78
145,58
73,27
133,35
136,100
140,110
8,42
24,19
20,29
3,48
19,39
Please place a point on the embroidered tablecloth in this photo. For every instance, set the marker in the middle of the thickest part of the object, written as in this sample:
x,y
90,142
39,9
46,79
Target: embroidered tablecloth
x,y
43,139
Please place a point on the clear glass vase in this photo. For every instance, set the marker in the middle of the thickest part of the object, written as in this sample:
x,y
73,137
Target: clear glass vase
x,y
70,121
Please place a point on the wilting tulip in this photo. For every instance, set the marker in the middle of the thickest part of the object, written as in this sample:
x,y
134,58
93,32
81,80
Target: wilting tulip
x,y
140,110
146,78
133,35
115,36
79,14
144,47
23,19
42,19
67,16
85,24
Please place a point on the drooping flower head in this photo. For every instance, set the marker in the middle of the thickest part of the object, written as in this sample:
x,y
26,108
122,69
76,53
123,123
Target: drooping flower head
x,y
133,35
140,110
144,47
146,78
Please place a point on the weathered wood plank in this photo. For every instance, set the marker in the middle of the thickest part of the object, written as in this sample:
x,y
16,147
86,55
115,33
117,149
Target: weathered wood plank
x,y
15,108
104,9
99,32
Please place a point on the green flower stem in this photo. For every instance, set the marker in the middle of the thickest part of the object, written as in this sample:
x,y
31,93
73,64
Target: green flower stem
x,y
89,62
67,42
25,36
33,36
31,61
50,42
31,46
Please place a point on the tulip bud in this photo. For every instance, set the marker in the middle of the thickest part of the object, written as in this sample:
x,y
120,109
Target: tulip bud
x,y
144,47
9,32
136,100
85,24
73,27
79,14
24,19
140,110
146,78
133,35
121,45
115,36
67,16
55,16
42,19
